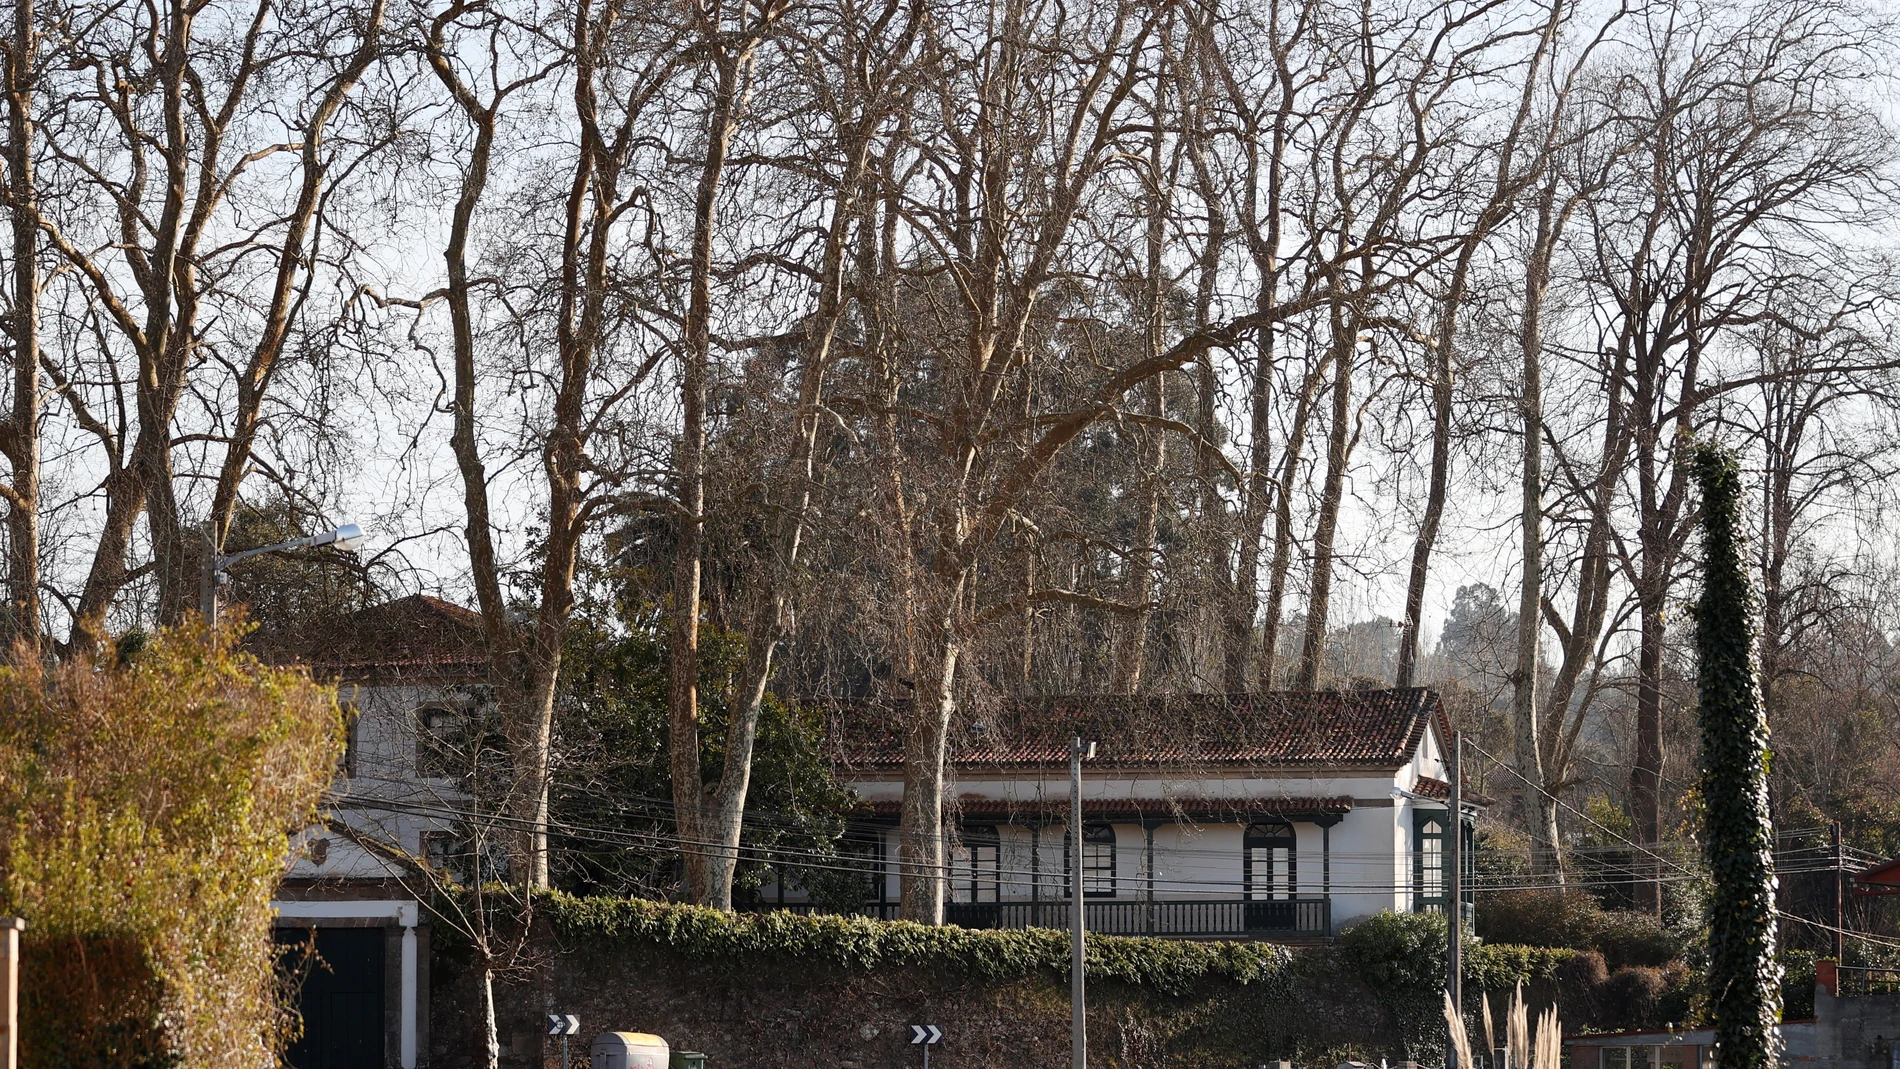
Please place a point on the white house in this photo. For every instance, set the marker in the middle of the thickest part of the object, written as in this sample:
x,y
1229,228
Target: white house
x,y
1282,815
411,672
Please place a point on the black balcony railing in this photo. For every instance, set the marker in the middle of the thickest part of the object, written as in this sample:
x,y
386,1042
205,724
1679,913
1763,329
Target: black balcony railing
x,y
1229,918
1232,918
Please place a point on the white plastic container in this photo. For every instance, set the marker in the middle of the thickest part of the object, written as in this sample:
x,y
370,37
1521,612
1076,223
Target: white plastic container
x,y
628,1050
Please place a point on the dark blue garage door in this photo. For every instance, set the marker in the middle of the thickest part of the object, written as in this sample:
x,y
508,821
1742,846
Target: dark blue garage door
x,y
341,998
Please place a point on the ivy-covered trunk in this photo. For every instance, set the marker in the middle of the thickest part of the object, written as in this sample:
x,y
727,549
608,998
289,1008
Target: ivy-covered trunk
x,y
1744,979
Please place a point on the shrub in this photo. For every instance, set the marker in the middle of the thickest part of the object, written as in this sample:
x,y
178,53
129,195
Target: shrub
x,y
1555,918
1797,984
1401,957
1584,971
1398,953
1636,939
1540,918
1630,995
1168,965
145,810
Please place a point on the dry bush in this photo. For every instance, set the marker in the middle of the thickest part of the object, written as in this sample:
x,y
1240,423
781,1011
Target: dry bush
x,y
147,808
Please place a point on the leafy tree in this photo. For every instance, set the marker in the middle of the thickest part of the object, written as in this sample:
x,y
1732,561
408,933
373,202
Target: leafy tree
x,y
612,777
145,813
1744,975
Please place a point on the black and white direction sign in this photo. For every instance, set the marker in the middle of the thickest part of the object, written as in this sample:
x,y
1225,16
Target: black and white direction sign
x,y
927,1034
563,1024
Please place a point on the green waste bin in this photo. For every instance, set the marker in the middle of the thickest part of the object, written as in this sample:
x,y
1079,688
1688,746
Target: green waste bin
x,y
688,1059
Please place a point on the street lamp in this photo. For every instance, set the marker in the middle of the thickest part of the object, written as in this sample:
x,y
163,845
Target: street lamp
x,y
346,538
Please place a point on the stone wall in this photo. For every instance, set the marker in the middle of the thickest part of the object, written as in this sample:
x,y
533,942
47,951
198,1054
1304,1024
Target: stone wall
x,y
1855,1032
768,1012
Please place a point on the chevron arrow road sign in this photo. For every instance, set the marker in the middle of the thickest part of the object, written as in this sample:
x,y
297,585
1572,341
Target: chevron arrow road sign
x,y
927,1034
563,1024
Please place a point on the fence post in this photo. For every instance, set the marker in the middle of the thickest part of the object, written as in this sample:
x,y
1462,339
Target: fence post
x,y
11,927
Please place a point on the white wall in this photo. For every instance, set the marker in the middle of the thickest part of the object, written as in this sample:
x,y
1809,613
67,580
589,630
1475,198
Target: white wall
x,y
1371,846
383,763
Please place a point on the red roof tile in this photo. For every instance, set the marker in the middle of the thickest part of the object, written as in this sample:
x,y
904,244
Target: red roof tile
x,y
412,636
1135,808
1438,788
1370,729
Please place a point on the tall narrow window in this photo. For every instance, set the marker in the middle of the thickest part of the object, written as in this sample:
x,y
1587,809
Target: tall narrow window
x,y
976,866
1428,861
441,735
1098,860
352,721
1272,862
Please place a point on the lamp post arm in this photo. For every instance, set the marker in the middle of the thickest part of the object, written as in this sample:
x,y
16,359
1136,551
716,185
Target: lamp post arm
x,y
232,558
346,537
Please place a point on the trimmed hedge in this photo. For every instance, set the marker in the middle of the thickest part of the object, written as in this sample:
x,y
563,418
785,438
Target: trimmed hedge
x,y
1167,965
1170,966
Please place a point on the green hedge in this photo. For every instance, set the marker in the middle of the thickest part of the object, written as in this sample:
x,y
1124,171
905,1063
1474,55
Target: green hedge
x,y
1501,966
1171,966
1167,965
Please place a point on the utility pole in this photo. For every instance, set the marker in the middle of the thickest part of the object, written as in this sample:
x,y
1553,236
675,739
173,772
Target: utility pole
x,y
1455,913
208,576
1078,1003
1840,878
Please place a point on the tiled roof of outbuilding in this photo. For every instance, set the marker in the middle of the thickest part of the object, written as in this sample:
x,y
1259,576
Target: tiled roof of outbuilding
x,y
417,635
1369,729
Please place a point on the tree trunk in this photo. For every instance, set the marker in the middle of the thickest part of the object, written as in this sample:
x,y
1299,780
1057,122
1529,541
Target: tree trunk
x,y
1444,366
1253,524
923,862
293,261
689,801
724,821
491,1036
1646,771
527,845
1131,657
1283,523
1538,809
22,434
1338,447
1744,976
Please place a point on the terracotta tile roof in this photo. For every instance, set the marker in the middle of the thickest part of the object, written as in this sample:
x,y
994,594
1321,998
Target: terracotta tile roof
x,y
1369,729
1438,788
412,636
979,809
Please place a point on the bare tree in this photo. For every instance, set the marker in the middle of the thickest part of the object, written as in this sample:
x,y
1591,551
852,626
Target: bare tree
x,y
20,435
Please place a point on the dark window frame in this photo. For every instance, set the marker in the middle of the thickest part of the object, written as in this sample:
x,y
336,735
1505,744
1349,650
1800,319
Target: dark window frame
x,y
1438,819
1267,836
437,750
1099,879
979,870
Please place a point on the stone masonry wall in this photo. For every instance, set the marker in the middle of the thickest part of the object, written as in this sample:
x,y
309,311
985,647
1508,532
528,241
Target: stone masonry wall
x,y
774,1013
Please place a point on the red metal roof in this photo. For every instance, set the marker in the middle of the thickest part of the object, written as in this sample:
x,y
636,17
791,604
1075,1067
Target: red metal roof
x,y
1370,729
1881,879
